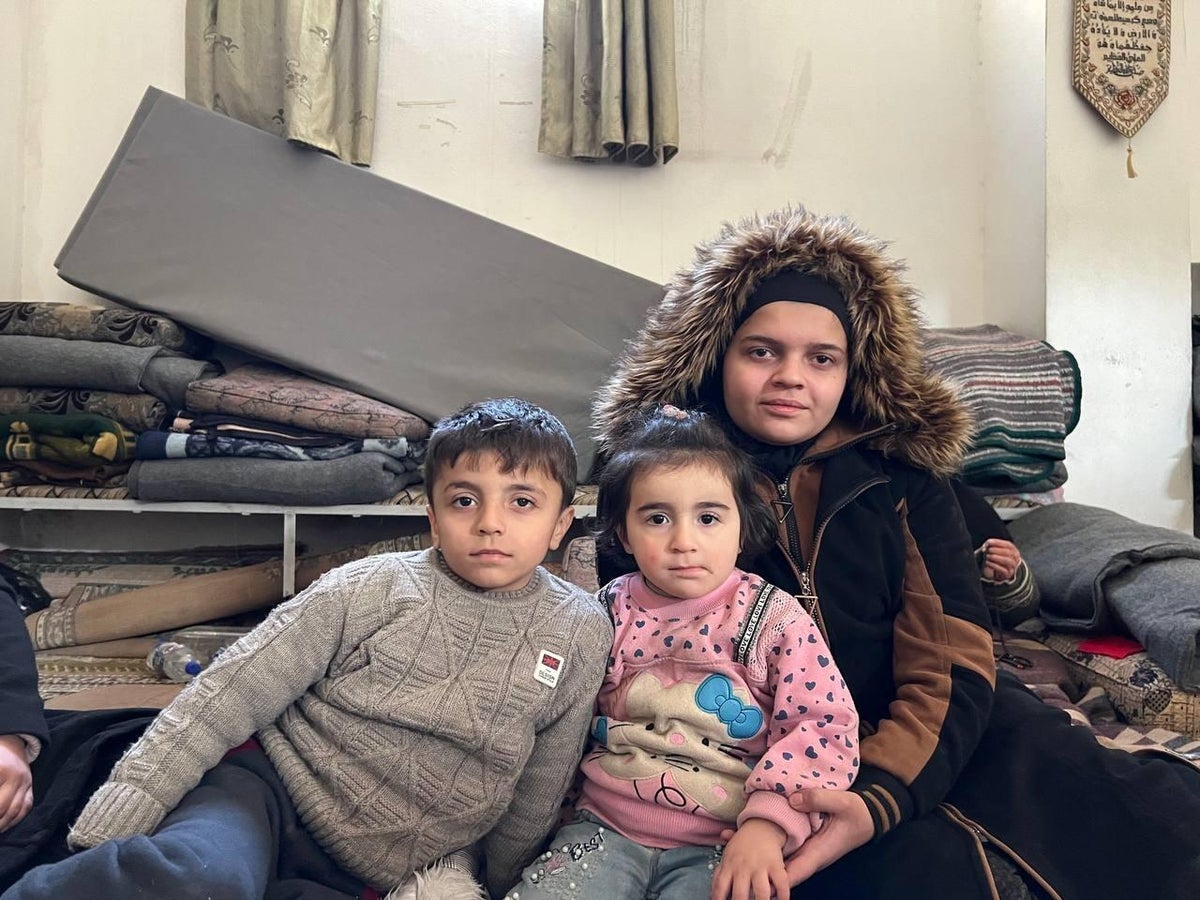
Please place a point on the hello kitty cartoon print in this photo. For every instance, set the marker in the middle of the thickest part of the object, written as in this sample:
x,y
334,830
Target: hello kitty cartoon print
x,y
714,710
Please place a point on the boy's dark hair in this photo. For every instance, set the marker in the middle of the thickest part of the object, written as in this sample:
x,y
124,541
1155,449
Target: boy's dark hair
x,y
666,436
520,434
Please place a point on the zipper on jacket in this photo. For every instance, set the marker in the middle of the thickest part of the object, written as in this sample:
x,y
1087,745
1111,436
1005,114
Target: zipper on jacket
x,y
982,836
808,585
789,518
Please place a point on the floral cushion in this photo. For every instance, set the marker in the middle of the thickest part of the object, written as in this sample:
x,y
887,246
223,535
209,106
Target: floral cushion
x,y
89,323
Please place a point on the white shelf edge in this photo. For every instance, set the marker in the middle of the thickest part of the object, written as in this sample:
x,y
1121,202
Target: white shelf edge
x,y
30,504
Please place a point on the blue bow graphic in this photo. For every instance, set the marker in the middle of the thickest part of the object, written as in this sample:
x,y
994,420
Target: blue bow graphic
x,y
715,695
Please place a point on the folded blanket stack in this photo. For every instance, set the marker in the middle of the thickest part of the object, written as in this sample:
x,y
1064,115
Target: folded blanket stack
x,y
1102,573
265,434
1025,398
78,383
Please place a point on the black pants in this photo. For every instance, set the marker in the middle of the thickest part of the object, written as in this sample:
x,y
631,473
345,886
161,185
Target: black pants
x,y
1092,821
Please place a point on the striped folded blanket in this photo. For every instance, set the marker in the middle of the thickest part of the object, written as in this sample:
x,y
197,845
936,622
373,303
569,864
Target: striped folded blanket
x,y
170,445
1024,396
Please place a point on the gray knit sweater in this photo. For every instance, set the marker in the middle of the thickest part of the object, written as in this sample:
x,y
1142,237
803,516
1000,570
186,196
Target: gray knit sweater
x,y
399,707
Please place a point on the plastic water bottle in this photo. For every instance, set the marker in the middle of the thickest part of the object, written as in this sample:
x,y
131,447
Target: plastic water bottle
x,y
207,641
175,661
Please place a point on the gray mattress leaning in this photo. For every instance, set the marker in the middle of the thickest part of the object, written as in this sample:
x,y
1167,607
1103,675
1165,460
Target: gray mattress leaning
x,y
344,275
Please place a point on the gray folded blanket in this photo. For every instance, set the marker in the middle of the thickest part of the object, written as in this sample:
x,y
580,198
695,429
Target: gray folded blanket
x,y
56,362
1100,572
367,477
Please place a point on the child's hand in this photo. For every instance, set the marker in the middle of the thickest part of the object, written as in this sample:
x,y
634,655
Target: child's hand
x,y
752,865
16,782
999,560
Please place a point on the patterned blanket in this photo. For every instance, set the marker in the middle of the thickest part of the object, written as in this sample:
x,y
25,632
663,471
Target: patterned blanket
x,y
34,473
88,323
226,425
1024,396
137,412
1127,704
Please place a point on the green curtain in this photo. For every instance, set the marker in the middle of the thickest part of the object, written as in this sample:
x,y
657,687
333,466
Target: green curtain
x,y
307,70
608,80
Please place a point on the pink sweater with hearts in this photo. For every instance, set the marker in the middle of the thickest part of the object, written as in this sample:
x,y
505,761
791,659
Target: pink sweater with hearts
x,y
713,711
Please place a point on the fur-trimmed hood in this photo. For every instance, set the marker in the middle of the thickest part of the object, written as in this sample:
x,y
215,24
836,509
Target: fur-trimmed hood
x,y
685,336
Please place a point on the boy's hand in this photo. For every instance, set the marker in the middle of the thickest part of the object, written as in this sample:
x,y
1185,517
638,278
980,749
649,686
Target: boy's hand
x,y
16,781
752,865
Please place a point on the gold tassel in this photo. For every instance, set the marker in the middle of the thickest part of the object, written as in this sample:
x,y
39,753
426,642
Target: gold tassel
x,y
1129,169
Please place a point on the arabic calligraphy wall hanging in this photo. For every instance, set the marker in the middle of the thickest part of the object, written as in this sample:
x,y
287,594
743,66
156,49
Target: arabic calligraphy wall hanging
x,y
1122,61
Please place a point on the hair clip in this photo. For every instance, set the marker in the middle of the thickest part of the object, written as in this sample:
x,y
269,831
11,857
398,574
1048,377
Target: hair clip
x,y
673,412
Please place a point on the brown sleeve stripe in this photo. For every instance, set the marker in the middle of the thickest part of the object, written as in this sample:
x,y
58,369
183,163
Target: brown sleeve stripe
x,y
885,821
891,801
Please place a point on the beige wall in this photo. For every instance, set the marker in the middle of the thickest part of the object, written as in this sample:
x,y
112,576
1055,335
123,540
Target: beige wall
x,y
779,102
86,67
1118,290
1014,163
1187,31
12,94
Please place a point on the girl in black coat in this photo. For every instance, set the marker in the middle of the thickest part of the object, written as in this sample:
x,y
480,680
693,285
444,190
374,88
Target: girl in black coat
x,y
800,333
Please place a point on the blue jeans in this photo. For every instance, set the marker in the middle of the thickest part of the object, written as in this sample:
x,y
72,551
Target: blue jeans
x,y
590,861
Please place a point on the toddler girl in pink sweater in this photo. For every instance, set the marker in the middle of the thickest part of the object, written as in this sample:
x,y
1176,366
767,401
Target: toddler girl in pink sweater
x,y
721,697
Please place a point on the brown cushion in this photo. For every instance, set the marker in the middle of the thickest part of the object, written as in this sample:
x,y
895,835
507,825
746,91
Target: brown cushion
x,y
274,394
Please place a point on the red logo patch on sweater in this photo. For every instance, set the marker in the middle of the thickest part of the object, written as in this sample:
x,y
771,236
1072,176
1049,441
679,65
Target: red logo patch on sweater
x,y
548,667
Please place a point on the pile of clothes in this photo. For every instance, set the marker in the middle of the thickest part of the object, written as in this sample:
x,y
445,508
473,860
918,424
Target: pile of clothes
x,y
265,434
115,398
77,384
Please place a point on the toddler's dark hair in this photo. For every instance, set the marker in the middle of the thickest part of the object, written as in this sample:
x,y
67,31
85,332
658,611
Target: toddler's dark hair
x,y
669,437
521,434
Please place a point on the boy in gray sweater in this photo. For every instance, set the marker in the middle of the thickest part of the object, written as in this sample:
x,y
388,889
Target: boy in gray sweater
x,y
403,707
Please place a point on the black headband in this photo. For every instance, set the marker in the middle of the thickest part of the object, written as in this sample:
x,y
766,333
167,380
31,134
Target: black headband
x,y
798,287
